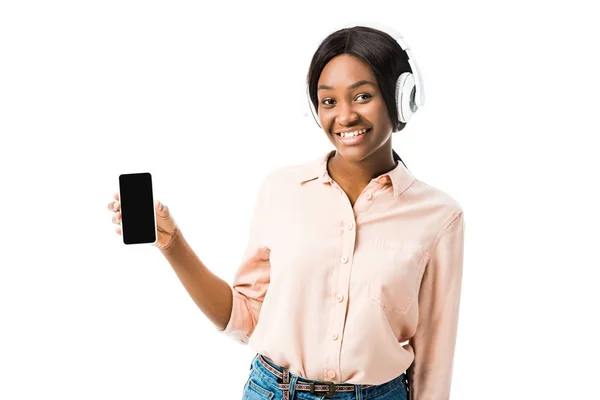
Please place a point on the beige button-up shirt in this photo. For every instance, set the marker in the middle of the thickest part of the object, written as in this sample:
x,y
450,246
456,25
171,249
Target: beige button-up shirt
x,y
353,294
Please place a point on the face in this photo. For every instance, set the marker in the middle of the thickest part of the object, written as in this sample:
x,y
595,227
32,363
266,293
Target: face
x,y
347,102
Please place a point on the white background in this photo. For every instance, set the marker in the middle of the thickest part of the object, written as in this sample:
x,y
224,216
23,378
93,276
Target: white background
x,y
209,99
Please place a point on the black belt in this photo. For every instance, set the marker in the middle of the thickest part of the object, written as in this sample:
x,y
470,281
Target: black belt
x,y
329,387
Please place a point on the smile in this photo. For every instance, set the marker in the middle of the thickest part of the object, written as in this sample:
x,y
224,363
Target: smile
x,y
353,137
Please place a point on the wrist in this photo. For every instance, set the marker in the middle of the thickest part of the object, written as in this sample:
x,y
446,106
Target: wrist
x,y
174,242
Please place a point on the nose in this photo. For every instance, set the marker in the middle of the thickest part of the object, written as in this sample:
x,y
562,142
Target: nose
x,y
346,114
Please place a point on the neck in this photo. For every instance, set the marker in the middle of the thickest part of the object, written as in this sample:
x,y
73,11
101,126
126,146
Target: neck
x,y
361,172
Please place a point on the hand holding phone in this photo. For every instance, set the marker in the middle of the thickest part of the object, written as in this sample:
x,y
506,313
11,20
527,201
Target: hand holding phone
x,y
142,219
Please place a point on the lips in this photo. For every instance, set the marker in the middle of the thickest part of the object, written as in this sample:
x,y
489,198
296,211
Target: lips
x,y
349,137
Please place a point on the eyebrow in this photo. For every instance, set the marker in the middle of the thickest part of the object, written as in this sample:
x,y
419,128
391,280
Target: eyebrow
x,y
353,86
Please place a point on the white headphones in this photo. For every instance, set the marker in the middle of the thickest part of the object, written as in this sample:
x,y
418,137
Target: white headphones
x,y
409,87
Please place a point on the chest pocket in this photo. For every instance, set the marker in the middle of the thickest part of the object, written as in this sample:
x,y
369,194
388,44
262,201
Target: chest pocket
x,y
395,274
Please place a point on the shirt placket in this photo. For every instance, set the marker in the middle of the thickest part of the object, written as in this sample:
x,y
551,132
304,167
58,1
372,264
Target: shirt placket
x,y
341,277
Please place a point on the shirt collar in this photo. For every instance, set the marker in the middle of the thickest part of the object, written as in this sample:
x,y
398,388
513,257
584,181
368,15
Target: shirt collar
x,y
400,177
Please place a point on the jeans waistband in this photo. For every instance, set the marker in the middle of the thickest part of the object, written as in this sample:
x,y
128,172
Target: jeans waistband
x,y
281,378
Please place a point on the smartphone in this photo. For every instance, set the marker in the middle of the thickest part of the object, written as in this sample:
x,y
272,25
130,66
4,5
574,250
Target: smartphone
x,y
138,218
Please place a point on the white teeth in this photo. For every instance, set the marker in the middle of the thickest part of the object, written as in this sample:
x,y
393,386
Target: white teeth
x,y
354,133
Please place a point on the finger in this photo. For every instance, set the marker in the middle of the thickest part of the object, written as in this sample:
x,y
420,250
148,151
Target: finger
x,y
116,195
116,219
118,230
114,205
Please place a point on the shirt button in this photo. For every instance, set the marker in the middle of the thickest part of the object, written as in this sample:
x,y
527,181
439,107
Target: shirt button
x,y
349,226
339,298
334,336
368,196
331,374
344,259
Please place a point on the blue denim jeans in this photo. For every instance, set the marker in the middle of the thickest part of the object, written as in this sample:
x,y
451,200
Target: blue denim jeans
x,y
262,385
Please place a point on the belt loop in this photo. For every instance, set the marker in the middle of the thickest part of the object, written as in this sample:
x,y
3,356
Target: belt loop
x,y
293,380
289,379
358,392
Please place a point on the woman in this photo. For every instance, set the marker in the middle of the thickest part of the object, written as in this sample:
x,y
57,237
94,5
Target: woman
x,y
353,266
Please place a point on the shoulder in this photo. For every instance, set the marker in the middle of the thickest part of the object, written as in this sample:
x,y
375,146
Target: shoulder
x,y
436,200
441,196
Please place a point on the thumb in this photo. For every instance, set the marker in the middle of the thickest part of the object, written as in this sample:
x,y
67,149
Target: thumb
x,y
161,209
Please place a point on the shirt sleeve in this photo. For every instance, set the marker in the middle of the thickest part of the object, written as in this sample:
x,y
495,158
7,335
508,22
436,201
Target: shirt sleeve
x,y
434,342
251,281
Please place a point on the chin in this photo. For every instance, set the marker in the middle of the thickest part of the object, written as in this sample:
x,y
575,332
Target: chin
x,y
354,154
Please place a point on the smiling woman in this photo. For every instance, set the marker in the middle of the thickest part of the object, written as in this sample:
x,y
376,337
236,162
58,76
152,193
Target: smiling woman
x,y
349,285
365,263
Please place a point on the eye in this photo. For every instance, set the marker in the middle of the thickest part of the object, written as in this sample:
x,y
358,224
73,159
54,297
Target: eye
x,y
365,95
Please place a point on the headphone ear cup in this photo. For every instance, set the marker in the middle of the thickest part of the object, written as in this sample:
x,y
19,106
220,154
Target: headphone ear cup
x,y
405,92
312,108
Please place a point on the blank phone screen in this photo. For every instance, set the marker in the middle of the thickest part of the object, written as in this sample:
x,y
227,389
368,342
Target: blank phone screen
x,y
138,223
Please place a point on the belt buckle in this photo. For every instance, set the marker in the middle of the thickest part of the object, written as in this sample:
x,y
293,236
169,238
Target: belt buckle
x,y
330,389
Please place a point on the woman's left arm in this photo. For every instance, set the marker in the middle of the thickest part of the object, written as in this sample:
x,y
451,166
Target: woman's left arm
x,y
434,342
